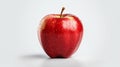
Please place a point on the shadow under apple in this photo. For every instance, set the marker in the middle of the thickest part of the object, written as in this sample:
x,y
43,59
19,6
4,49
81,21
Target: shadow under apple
x,y
34,56
40,60
32,60
59,62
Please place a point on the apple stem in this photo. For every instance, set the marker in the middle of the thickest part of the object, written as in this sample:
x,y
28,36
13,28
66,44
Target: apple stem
x,y
63,8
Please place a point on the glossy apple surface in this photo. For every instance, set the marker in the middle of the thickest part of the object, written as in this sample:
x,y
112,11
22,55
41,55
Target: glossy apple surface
x,y
60,36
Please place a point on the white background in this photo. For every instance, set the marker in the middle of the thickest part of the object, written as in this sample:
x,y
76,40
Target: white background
x,y
19,45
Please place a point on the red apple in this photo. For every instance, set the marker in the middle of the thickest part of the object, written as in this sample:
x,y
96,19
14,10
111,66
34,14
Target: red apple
x,y
60,34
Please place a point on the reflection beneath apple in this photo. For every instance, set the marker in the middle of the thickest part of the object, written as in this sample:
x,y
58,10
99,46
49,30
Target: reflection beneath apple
x,y
61,63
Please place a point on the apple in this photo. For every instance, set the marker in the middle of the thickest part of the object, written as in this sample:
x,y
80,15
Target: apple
x,y
60,34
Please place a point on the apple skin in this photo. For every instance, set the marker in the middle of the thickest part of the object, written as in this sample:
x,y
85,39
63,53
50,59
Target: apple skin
x,y
60,36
